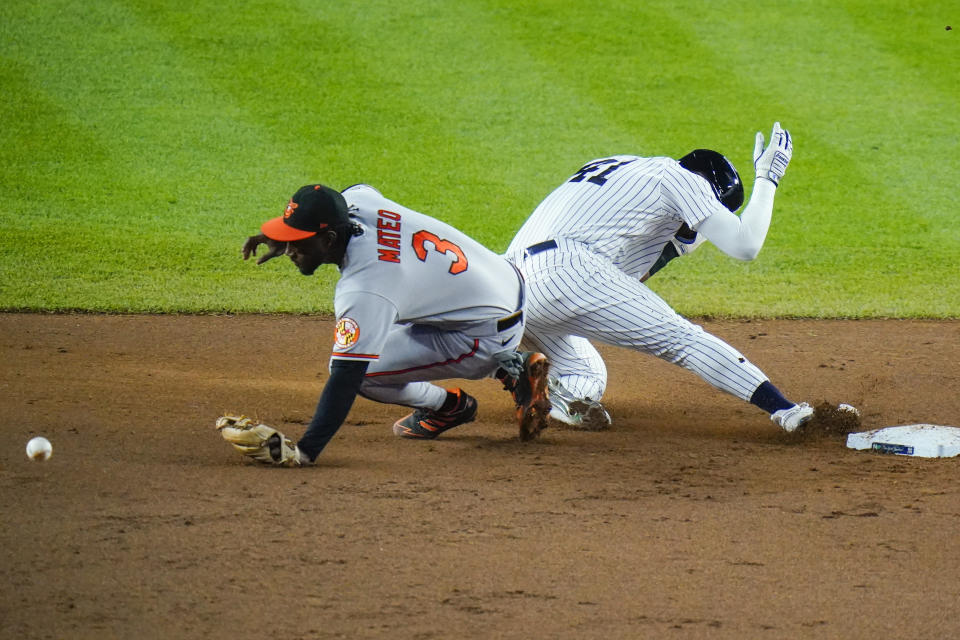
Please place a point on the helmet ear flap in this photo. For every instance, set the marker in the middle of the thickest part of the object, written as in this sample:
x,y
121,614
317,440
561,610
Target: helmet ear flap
x,y
719,172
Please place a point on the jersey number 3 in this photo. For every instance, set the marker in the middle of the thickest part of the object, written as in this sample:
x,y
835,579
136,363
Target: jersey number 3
x,y
420,238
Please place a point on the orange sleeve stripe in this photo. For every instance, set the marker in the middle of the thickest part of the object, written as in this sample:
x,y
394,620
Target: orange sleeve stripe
x,y
357,356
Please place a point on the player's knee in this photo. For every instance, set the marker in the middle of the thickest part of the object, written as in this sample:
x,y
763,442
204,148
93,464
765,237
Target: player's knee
x,y
581,386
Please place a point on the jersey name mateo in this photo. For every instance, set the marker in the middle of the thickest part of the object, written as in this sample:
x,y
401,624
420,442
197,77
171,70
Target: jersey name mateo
x,y
388,236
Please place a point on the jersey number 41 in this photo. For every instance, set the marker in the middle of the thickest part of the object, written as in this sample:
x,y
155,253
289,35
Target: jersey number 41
x,y
598,170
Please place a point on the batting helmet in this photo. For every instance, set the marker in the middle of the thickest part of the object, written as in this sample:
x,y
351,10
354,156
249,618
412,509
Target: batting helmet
x,y
719,172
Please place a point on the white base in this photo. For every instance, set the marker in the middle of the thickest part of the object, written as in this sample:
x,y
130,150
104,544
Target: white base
x,y
921,440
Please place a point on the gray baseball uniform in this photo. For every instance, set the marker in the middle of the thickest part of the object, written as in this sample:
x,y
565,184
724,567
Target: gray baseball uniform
x,y
420,300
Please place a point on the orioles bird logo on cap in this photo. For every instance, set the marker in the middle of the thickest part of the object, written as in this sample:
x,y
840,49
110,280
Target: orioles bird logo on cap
x,y
291,206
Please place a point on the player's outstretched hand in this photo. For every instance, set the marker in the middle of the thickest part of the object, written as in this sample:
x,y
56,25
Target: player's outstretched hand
x,y
261,442
771,163
274,248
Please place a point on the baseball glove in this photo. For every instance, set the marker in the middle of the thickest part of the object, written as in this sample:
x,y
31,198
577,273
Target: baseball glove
x,y
261,442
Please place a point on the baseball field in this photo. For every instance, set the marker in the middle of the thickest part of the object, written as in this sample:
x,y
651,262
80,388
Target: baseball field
x,y
143,141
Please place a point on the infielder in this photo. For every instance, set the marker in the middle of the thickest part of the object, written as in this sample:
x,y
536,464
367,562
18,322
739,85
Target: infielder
x,y
417,300
586,247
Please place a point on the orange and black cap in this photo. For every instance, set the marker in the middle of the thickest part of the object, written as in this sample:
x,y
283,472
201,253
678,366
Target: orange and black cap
x,y
312,208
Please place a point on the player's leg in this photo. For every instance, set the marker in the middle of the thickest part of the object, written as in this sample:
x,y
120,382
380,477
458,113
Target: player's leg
x,y
415,355
578,378
641,320
585,295
669,336
573,361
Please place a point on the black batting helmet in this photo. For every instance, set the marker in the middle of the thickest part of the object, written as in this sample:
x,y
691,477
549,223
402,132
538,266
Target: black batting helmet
x,y
719,172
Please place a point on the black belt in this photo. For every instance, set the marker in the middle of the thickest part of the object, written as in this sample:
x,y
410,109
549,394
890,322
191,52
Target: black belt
x,y
517,316
512,319
534,249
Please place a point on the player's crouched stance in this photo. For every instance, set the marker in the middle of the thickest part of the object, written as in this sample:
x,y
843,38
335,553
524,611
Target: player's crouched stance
x,y
417,300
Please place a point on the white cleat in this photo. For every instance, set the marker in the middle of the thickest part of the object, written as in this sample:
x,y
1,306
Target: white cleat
x,y
794,417
579,413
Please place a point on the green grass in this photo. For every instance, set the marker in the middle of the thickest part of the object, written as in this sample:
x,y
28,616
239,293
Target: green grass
x,y
141,142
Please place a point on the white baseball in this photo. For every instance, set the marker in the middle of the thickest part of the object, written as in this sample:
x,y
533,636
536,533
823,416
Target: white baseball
x,y
39,449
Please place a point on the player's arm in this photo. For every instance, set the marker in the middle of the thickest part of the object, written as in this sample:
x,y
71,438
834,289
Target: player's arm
x,y
743,237
363,322
335,402
684,241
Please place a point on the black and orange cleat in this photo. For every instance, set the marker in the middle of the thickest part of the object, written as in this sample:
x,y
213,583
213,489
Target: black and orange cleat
x,y
530,394
427,424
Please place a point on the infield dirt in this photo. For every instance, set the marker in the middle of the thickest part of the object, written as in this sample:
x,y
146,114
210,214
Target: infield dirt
x,y
693,517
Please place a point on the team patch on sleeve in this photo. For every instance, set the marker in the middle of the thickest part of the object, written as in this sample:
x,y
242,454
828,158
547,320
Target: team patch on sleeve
x,y
346,333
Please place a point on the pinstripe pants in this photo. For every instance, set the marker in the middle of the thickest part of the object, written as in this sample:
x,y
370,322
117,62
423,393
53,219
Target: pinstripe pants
x,y
577,296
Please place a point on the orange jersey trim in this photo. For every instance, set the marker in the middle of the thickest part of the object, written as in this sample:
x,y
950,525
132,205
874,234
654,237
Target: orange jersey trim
x,y
357,356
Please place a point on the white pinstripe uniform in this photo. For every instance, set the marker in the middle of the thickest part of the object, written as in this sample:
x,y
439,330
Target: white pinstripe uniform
x,y
609,223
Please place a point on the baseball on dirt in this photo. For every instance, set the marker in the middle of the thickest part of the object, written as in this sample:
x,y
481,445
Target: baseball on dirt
x,y
39,449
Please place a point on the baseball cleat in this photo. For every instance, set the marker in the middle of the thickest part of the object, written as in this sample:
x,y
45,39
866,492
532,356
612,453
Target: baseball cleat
x,y
579,413
428,424
531,396
794,417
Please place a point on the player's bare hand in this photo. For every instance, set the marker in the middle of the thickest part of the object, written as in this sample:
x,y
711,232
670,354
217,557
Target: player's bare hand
x,y
771,162
274,248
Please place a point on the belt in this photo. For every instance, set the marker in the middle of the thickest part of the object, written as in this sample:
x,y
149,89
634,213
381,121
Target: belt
x,y
534,249
505,323
517,316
